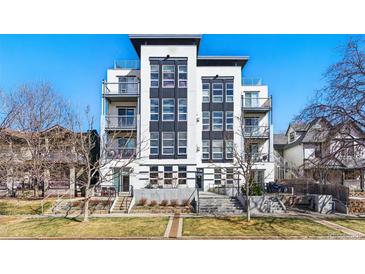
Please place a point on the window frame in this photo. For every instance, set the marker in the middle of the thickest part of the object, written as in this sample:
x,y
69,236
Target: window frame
x,y
182,175
158,109
163,111
213,118
168,172
215,96
152,171
168,147
227,124
203,96
163,76
218,175
182,113
206,146
178,76
229,96
206,112
178,143
227,147
158,76
213,147
155,139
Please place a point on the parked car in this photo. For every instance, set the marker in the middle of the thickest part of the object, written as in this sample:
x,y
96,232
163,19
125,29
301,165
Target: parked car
x,y
274,187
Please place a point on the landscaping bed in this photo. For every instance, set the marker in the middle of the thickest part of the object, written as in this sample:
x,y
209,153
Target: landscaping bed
x,y
162,209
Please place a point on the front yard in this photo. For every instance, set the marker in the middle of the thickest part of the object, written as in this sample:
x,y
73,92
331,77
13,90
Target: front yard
x,y
23,207
354,224
73,228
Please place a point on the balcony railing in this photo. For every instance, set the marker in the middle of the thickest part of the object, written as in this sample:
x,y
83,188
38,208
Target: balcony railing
x,y
126,122
259,157
251,81
256,131
121,88
120,153
127,64
256,103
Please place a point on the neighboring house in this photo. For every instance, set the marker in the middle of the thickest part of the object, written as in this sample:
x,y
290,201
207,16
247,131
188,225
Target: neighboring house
x,y
321,152
185,107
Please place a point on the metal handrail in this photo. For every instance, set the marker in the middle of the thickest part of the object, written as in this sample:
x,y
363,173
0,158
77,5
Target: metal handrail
x,y
121,121
122,88
260,102
127,64
251,81
256,131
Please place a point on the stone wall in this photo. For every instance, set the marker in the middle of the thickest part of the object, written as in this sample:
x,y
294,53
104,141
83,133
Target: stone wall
x,y
356,206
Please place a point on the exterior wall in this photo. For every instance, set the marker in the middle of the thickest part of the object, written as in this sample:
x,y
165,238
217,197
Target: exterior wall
x,y
294,155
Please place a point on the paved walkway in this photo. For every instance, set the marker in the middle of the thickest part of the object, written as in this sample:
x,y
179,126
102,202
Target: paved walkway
x,y
341,228
174,227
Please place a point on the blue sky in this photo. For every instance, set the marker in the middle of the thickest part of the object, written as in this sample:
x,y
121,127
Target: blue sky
x,y
291,65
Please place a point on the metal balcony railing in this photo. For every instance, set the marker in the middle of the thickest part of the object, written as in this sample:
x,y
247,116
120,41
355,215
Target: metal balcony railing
x,y
251,81
126,122
259,157
121,88
256,103
256,131
121,153
127,64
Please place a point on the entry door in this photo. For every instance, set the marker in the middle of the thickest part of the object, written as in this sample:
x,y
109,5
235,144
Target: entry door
x,y
127,117
252,126
125,183
251,99
199,178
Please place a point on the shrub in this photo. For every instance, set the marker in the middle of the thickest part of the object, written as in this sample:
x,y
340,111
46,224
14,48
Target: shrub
x,y
142,202
164,203
173,202
185,202
255,190
153,203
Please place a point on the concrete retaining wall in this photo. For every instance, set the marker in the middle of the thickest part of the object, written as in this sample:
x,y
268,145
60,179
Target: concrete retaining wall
x,y
179,194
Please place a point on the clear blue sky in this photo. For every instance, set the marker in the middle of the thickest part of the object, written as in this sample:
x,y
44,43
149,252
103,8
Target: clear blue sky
x,y
291,65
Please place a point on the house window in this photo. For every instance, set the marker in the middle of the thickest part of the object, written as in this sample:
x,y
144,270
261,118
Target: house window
x,y
183,76
217,149
182,175
251,99
206,92
154,76
168,109
154,136
291,136
168,143
217,176
206,149
252,126
229,120
168,76
217,120
217,93
128,84
229,176
229,92
126,147
182,143
229,149
154,109
153,175
183,109
254,152
168,175
206,121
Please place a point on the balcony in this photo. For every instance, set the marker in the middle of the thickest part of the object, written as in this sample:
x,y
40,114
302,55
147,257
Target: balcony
x,y
259,157
119,153
256,104
120,122
127,64
256,132
252,81
115,90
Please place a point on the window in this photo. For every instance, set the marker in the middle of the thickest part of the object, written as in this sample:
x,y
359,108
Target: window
x,y
182,143
217,176
126,147
154,109
153,175
206,92
183,76
254,152
168,143
128,84
229,149
291,136
168,109
154,76
183,109
229,120
217,120
229,176
229,92
252,126
206,149
251,99
168,175
217,149
154,136
182,175
217,93
168,76
126,117
206,121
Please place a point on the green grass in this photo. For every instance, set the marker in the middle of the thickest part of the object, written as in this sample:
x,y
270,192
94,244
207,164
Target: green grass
x,y
74,228
355,224
23,207
238,226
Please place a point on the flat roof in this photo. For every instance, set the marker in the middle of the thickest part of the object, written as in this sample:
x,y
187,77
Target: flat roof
x,y
222,61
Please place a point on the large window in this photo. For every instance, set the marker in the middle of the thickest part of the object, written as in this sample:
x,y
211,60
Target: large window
x,y
229,92
168,175
168,109
217,120
182,143
182,175
153,175
126,147
168,76
206,121
154,109
229,149
168,143
154,76
217,149
183,109
217,93
183,76
251,99
154,136
206,92
229,120
206,149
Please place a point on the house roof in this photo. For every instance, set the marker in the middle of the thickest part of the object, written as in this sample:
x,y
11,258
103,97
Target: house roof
x,y
280,139
222,61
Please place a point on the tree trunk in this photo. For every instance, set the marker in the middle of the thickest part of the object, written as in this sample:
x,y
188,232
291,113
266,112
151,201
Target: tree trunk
x,y
248,202
86,208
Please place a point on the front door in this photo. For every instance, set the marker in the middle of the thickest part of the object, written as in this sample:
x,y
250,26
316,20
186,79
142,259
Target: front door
x,y
199,178
125,183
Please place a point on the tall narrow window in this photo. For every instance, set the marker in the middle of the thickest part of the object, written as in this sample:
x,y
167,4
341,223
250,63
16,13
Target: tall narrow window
x,y
168,109
168,175
154,76
217,176
229,120
182,143
206,121
153,175
168,143
183,109
168,76
229,176
217,149
206,92
154,109
183,76
229,149
154,136
217,93
182,175
217,120
206,149
229,92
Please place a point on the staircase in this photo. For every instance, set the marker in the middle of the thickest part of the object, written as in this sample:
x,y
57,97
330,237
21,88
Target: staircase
x,y
211,203
273,205
121,204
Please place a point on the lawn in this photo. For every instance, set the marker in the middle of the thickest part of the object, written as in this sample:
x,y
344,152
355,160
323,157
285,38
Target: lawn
x,y
355,224
73,228
23,207
238,226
